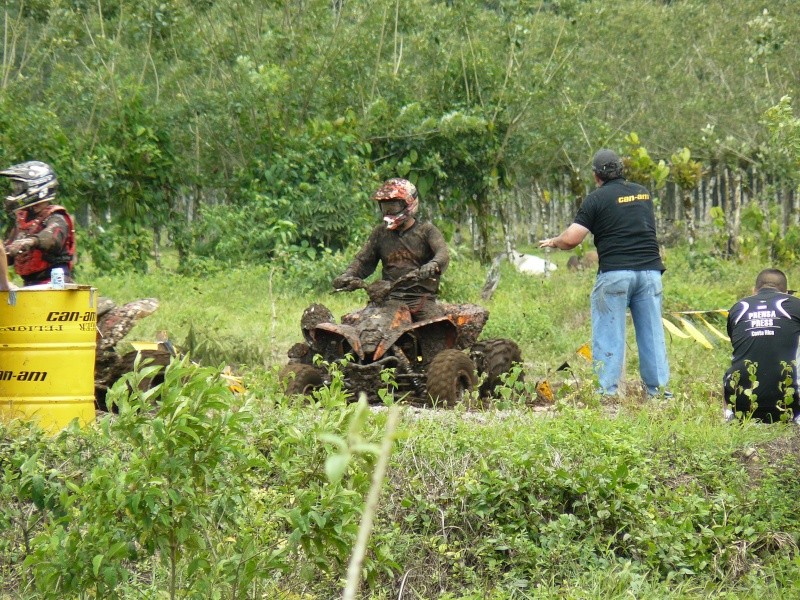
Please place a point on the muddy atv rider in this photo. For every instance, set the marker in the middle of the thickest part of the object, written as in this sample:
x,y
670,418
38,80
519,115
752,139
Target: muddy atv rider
x,y
43,236
401,244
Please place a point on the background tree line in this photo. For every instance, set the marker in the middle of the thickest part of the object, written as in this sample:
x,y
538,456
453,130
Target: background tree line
x,y
232,124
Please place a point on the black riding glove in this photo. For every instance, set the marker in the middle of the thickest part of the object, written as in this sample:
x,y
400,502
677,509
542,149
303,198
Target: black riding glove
x,y
429,270
346,282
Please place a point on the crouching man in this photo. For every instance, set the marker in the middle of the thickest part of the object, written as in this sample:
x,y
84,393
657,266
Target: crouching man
x,y
764,330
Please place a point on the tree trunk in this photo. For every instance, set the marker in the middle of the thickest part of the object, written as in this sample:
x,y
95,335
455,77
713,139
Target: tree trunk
x,y
482,218
735,221
157,245
786,209
688,216
508,238
543,217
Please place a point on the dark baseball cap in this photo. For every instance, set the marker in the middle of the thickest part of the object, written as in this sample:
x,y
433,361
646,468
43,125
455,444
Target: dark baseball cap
x,y
606,161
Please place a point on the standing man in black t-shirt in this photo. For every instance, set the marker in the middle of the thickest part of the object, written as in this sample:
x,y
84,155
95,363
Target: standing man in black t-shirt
x,y
764,331
620,215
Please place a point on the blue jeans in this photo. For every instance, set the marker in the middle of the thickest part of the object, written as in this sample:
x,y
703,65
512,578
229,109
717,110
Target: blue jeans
x,y
614,292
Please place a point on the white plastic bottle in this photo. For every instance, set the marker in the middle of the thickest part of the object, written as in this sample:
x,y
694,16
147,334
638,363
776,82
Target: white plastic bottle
x,y
57,278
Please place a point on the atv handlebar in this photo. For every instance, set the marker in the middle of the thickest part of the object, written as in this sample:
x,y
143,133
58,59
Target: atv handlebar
x,y
378,291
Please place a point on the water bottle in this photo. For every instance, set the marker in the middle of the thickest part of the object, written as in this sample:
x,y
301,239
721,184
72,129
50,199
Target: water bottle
x,y
57,278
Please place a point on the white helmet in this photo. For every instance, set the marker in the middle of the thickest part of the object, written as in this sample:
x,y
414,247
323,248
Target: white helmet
x,y
32,182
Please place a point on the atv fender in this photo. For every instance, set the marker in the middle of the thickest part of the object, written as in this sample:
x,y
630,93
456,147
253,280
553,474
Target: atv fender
x,y
469,320
324,333
448,330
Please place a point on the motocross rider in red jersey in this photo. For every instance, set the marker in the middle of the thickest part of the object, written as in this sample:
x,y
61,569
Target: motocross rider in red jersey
x,y
401,244
43,235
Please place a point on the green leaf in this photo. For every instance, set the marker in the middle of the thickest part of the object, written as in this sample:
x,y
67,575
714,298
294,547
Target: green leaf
x,y
117,549
336,465
365,448
96,562
360,414
336,440
189,432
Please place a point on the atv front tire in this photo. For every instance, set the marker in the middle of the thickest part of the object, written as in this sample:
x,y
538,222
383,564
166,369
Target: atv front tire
x,y
493,358
306,379
451,375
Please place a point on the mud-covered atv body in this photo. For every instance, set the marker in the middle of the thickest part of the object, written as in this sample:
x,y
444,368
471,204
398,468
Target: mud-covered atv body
x,y
429,357
113,324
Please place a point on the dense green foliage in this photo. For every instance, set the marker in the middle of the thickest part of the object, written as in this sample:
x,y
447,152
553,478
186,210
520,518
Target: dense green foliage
x,y
193,136
192,491
228,124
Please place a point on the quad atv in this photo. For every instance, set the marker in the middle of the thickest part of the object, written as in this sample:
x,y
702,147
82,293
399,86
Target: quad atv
x,y
113,324
435,360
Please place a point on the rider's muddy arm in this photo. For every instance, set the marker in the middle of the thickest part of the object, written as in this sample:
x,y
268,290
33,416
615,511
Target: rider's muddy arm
x,y
53,237
366,261
441,255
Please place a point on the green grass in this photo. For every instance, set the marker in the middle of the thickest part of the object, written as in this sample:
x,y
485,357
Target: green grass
x,y
251,317
583,500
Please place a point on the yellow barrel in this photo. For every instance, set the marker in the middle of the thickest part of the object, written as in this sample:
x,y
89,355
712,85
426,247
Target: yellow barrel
x,y
47,349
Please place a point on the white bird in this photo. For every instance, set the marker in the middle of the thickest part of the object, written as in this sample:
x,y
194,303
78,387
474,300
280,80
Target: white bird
x,y
531,264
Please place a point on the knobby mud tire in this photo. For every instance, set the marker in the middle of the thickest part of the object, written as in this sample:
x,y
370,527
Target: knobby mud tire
x,y
125,364
494,358
451,374
306,379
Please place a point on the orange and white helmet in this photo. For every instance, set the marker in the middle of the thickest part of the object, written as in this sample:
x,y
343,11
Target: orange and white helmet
x,y
399,201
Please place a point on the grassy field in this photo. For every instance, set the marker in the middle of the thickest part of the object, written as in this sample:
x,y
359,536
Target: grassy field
x,y
251,317
260,496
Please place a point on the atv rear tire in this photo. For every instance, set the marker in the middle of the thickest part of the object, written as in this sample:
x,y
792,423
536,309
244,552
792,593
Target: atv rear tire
x,y
114,366
451,374
493,358
306,379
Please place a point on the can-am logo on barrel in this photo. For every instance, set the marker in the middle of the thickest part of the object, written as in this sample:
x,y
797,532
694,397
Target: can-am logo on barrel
x,y
65,316
56,319
23,375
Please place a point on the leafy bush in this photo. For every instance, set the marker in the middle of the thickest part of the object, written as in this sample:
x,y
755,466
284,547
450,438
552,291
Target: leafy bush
x,y
310,193
659,500
34,490
175,468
